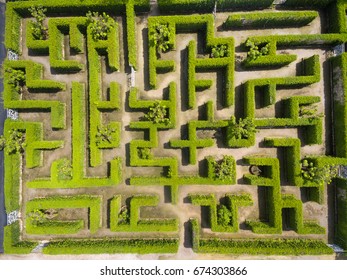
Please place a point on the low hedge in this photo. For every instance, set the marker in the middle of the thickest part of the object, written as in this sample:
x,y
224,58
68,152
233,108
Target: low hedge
x,y
339,84
54,227
186,6
135,223
223,5
13,243
233,202
292,157
131,35
195,23
296,221
109,47
34,73
78,179
270,19
112,246
257,246
267,61
336,13
270,179
93,203
308,3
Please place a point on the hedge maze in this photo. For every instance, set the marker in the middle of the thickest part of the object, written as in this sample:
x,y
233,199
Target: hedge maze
x,y
144,124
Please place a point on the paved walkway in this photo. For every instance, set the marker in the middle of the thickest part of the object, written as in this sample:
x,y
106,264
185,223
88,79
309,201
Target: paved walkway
x,y
2,118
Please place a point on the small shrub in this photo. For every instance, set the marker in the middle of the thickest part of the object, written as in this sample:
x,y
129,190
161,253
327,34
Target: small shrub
x,y
254,52
16,79
224,169
64,170
161,37
220,51
316,174
124,215
242,129
101,25
105,134
15,142
224,216
157,114
144,153
37,217
39,30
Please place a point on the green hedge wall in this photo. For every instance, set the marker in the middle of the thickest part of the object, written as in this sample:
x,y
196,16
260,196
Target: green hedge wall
x,y
308,3
203,24
186,6
93,203
270,19
135,223
233,202
111,246
12,242
264,246
34,82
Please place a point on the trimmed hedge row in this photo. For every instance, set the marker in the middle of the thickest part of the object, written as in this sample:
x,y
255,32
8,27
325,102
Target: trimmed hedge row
x,y
270,19
233,202
185,6
296,221
301,40
207,6
262,246
243,4
112,246
270,179
34,141
17,10
308,3
55,227
33,81
78,179
13,243
267,61
196,23
93,203
337,17
96,105
135,223
292,157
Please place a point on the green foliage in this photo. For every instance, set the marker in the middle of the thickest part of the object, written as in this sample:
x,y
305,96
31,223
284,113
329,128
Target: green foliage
x,y
224,216
145,153
105,134
224,169
161,38
270,19
100,24
2,142
39,30
325,174
111,246
220,51
158,114
15,143
13,243
64,168
16,79
243,129
37,217
256,51
124,215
